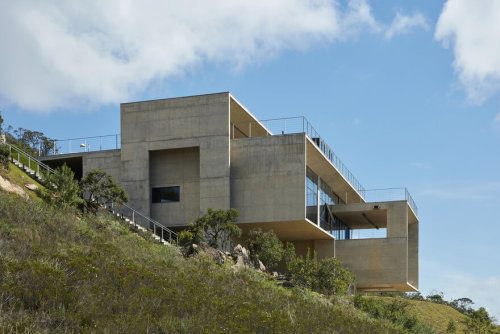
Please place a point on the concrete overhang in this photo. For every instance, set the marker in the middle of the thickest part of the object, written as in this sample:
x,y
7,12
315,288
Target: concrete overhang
x,y
293,230
245,120
367,215
326,170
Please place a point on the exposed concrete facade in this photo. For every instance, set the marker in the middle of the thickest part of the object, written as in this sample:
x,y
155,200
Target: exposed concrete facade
x,y
218,155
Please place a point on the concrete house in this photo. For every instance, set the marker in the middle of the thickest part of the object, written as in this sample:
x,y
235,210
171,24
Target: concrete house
x,y
178,157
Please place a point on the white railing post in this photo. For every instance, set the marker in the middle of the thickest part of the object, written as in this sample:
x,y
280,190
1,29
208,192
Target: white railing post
x,y
54,147
100,143
39,149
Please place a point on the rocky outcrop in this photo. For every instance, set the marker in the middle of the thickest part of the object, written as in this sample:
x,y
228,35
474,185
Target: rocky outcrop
x,y
243,260
195,250
11,187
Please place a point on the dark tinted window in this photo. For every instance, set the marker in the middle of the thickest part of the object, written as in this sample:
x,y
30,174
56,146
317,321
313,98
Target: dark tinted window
x,y
166,194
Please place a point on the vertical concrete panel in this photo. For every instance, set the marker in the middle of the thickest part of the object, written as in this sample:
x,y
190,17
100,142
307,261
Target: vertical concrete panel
x,y
413,254
397,219
268,178
176,167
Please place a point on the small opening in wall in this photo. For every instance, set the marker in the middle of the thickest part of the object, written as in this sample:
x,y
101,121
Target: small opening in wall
x,y
166,194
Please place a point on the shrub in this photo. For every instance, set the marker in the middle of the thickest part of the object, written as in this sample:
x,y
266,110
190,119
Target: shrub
x,y
97,187
4,156
61,189
452,326
325,276
265,246
395,311
217,227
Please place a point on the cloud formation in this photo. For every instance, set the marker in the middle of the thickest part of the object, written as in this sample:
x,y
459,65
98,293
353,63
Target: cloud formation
x,y
472,29
57,54
403,24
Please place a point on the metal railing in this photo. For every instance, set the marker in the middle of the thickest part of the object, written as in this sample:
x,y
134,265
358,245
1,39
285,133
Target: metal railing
x,y
85,144
301,124
138,218
27,160
390,194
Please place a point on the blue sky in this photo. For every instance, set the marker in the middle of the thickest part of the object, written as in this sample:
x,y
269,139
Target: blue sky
x,y
406,92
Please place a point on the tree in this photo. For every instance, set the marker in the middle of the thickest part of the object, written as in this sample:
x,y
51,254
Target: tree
x,y
217,227
98,187
265,246
1,122
479,321
325,276
4,156
61,189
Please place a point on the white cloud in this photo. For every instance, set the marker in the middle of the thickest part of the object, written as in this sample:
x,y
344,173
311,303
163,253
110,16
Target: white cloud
x,y
59,54
402,24
472,29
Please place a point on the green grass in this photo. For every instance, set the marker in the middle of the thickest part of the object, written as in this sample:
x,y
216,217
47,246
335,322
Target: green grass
x,y
434,314
64,273
17,176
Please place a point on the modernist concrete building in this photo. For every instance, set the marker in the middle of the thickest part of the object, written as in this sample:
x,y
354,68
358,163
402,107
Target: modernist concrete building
x,y
178,157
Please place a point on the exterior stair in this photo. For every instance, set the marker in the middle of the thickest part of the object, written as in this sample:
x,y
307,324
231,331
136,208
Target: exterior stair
x,y
125,213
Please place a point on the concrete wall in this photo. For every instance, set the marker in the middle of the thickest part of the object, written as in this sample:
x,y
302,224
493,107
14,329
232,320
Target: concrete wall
x,y
176,167
109,161
195,121
268,178
375,261
388,261
413,254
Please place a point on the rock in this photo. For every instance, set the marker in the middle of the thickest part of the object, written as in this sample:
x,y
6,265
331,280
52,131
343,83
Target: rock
x,y
275,274
31,186
13,188
243,260
195,250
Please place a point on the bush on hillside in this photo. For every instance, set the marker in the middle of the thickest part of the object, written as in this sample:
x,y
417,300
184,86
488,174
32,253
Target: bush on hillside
x,y
98,187
217,228
4,156
265,246
395,311
326,276
61,188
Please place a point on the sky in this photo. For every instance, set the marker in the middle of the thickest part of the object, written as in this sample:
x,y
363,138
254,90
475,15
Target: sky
x,y
407,93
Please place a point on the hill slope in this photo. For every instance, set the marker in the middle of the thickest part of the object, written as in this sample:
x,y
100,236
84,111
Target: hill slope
x,y
60,272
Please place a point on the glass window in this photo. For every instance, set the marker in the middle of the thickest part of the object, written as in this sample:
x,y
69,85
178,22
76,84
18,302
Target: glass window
x,y
166,194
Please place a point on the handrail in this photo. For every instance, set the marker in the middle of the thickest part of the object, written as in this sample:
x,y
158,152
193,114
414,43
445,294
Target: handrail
x,y
391,194
158,228
85,144
29,157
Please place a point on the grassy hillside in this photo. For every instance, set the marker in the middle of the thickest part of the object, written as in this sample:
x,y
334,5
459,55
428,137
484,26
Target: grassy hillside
x,y
64,273
434,314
